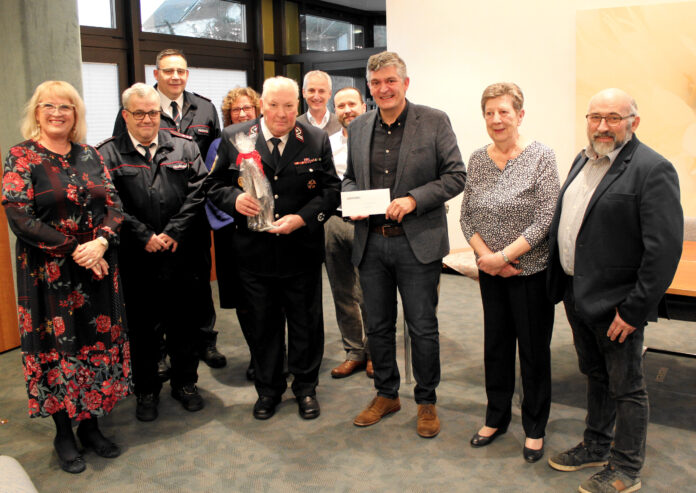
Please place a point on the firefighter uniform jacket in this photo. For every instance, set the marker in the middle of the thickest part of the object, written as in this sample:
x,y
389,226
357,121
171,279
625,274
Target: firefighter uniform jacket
x,y
303,183
164,195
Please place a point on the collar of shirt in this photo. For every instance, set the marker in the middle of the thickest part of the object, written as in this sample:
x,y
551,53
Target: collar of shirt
x,y
339,149
268,136
400,120
136,142
592,155
323,121
166,103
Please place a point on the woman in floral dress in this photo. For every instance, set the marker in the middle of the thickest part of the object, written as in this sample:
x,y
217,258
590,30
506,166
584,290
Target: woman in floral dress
x,y
63,208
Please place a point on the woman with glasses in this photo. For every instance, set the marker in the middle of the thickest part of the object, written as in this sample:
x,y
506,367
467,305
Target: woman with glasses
x,y
508,204
240,105
63,208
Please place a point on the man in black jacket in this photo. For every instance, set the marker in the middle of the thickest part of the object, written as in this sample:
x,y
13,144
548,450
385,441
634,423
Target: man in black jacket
x,y
158,175
280,269
193,115
615,242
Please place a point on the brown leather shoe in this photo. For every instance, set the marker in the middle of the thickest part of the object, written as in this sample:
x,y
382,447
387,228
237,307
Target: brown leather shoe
x,y
347,368
428,422
369,370
378,408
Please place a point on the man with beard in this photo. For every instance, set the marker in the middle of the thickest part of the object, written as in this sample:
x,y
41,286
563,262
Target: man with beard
x,y
338,239
615,243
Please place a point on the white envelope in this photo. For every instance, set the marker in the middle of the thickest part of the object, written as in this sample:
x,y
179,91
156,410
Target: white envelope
x,y
365,202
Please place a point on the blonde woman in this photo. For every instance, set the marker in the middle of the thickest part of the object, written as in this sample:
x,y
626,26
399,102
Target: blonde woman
x,y
63,208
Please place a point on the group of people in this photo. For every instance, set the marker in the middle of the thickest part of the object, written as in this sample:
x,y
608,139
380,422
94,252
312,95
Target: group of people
x,y
606,243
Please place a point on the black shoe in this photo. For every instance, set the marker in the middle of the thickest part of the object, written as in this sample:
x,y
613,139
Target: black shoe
x,y
481,441
251,372
531,455
163,369
308,406
212,357
265,407
75,465
99,443
146,408
189,397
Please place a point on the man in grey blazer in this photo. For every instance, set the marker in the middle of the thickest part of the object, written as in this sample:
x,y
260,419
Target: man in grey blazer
x,y
614,242
316,91
412,151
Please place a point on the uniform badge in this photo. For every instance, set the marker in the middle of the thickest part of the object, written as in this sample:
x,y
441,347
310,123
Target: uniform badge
x,y
298,134
311,184
254,129
320,217
240,182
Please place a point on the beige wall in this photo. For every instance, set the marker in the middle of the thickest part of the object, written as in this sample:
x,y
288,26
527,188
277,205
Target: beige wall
x,y
454,49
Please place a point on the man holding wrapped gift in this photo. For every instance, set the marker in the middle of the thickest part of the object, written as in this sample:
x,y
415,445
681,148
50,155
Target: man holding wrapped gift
x,y
411,151
280,268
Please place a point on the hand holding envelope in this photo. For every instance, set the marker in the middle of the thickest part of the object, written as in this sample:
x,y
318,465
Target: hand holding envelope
x,y
363,203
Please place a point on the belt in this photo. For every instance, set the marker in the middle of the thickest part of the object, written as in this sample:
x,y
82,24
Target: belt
x,y
388,230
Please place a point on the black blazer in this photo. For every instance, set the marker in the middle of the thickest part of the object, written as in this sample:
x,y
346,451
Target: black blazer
x,y
304,183
630,240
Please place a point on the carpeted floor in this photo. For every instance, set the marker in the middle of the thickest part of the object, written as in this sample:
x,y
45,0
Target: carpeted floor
x,y
223,448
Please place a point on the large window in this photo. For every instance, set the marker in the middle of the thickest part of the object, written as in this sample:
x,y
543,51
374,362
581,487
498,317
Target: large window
x,y
210,19
96,13
322,34
101,95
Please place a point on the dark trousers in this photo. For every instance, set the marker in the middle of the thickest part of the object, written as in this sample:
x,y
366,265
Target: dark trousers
x,y
517,310
229,284
389,264
153,301
203,301
617,400
271,300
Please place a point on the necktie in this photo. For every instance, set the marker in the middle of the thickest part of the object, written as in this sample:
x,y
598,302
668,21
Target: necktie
x,y
176,116
148,156
276,151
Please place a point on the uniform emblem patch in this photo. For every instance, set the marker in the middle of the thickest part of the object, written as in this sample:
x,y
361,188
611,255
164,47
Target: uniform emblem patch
x,y
311,184
254,130
321,217
298,134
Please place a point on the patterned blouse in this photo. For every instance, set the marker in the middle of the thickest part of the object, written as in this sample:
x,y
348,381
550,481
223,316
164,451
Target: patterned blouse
x,y
519,200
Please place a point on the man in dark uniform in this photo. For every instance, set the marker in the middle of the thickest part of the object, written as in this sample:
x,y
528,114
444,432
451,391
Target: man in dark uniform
x,y
158,175
280,269
193,115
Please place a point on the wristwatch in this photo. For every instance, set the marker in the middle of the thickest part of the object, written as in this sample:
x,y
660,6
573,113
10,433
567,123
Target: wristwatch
x,y
103,241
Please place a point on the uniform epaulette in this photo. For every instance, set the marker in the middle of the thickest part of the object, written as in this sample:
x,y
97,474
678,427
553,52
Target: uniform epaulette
x,y
105,141
202,97
179,134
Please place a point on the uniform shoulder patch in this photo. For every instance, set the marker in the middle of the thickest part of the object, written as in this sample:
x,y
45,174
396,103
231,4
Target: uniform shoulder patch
x,y
299,135
105,141
179,134
202,97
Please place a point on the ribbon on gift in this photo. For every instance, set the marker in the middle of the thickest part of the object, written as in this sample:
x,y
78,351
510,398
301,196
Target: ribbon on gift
x,y
254,156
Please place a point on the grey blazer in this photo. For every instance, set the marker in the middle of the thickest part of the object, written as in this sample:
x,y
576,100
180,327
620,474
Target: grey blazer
x,y
331,127
430,169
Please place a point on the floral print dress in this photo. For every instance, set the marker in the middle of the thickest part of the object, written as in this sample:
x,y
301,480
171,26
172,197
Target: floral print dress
x,y
74,347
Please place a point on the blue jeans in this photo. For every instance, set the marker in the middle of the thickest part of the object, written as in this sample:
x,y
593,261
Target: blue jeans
x,y
617,400
387,265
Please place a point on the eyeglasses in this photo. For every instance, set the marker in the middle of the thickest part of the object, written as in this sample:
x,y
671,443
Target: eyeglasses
x,y
247,109
612,119
140,115
50,108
